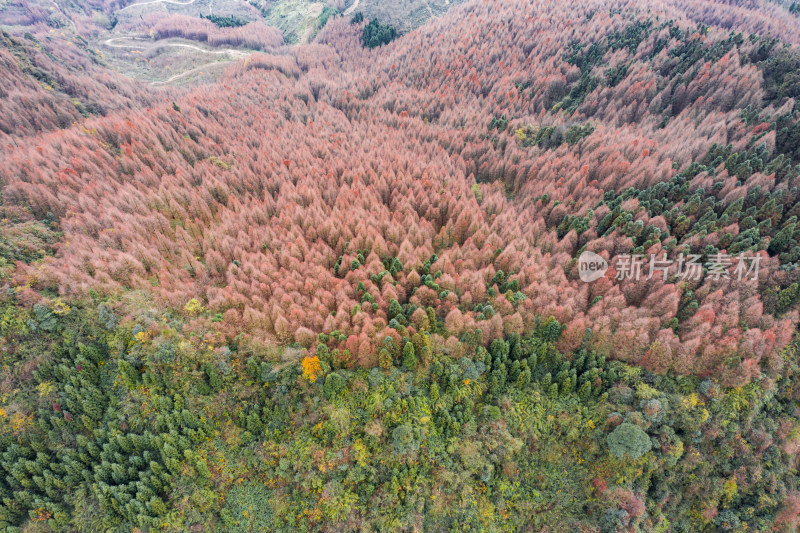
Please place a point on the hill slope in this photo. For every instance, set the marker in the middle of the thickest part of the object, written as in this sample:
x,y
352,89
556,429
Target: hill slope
x,y
346,281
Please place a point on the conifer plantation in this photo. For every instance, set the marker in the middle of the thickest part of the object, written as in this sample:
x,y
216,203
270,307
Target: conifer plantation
x,y
339,286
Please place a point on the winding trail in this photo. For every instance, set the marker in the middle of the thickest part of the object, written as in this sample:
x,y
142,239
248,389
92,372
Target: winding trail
x,y
187,72
233,54
352,8
162,1
156,44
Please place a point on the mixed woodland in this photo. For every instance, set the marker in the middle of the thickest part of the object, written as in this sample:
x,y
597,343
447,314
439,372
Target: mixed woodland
x,y
338,290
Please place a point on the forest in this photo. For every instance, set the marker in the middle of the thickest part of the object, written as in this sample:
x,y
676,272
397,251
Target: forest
x,y
339,288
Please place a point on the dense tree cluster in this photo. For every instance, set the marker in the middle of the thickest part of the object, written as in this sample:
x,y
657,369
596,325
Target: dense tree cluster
x,y
136,421
91,450
47,85
255,35
377,34
226,21
347,194
343,279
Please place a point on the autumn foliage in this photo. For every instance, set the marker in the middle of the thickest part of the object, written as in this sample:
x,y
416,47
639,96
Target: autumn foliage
x,y
255,35
310,189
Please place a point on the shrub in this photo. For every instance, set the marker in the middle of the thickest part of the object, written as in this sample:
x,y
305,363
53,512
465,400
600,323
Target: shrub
x,y
629,440
333,384
403,438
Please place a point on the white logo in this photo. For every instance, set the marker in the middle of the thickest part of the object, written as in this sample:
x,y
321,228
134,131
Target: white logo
x,y
591,266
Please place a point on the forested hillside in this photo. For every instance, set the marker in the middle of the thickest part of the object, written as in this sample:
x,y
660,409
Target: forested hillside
x,y
339,288
42,91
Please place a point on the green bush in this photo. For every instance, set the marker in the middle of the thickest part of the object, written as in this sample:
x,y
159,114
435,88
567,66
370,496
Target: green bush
x,y
334,383
403,438
227,21
628,440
